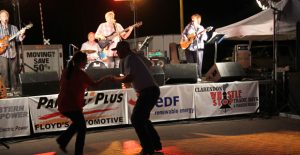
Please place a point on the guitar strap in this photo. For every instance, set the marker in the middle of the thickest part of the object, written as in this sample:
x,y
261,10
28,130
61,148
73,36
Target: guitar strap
x,y
9,33
197,31
115,27
9,29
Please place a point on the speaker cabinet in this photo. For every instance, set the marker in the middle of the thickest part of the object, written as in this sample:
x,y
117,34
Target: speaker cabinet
x,y
294,98
225,72
242,55
180,73
158,75
159,61
97,73
40,83
173,48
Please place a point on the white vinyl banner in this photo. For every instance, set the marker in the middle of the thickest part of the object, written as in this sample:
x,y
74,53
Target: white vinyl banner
x,y
14,118
174,103
221,99
103,108
43,58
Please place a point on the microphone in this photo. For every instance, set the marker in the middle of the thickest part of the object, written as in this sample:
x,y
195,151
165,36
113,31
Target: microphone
x,y
74,46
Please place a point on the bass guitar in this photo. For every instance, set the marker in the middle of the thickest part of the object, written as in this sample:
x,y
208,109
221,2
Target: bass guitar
x,y
191,37
108,39
6,39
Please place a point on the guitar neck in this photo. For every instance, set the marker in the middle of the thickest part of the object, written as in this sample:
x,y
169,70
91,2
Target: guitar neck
x,y
14,36
19,32
201,32
117,33
127,28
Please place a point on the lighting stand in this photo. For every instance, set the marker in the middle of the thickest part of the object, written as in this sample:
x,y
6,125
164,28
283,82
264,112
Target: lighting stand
x,y
274,76
134,9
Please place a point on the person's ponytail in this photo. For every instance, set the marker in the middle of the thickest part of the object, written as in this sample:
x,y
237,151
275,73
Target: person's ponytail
x,y
76,59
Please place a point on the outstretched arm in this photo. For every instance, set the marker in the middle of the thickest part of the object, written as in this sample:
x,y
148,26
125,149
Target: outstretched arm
x,y
122,79
125,35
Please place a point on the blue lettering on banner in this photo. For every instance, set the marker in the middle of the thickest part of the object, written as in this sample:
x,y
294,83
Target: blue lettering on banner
x,y
167,101
13,112
13,115
174,111
12,129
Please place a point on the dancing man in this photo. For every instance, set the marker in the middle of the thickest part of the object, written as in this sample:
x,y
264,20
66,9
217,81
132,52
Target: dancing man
x,y
137,72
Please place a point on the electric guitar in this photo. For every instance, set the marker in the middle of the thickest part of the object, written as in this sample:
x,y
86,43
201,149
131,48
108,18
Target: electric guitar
x,y
191,37
108,39
6,39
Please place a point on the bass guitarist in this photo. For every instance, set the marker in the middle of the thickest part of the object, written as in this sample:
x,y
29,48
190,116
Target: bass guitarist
x,y
194,52
8,60
109,28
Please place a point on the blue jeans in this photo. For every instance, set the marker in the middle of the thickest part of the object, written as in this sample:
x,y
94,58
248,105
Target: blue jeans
x,y
195,57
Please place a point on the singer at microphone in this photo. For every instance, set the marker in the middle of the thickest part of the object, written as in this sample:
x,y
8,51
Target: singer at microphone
x,y
192,41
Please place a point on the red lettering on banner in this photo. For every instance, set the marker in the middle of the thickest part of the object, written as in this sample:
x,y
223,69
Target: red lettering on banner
x,y
234,94
216,98
213,97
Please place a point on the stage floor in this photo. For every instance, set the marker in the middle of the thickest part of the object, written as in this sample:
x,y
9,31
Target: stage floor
x,y
229,135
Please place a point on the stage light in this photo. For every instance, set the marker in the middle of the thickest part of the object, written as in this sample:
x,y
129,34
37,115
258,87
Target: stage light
x,y
122,0
265,4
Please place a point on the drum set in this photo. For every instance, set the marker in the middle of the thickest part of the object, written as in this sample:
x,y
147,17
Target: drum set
x,y
94,62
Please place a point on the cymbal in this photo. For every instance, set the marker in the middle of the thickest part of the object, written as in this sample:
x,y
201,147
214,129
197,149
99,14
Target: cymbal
x,y
88,51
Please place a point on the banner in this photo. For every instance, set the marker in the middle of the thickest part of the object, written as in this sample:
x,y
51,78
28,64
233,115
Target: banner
x,y
102,109
43,58
174,103
14,118
221,99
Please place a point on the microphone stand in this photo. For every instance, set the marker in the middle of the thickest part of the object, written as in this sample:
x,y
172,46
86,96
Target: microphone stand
x,y
71,50
146,44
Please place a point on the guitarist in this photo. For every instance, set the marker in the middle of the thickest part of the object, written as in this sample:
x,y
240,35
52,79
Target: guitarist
x,y
107,29
8,60
194,53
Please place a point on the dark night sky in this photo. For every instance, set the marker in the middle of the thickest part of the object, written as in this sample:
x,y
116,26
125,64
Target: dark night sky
x,y
69,21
